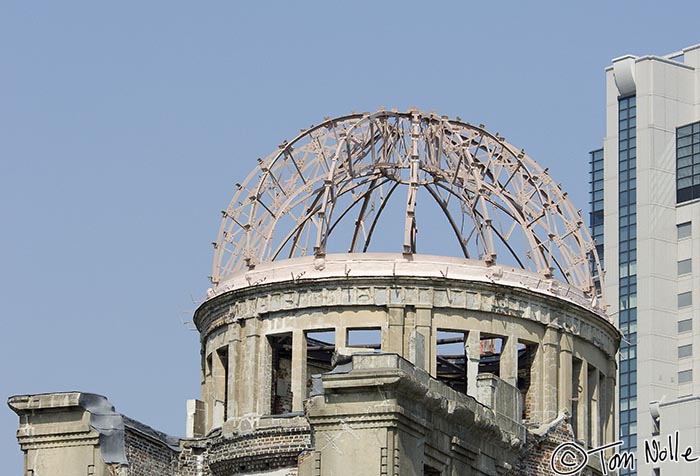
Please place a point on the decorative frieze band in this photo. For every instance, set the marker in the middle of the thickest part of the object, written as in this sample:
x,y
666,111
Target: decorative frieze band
x,y
473,296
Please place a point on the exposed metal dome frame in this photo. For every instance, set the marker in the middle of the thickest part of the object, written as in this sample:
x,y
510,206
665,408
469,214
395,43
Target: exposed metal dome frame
x,y
347,169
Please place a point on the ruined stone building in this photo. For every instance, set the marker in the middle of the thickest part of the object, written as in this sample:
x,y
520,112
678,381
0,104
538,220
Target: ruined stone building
x,y
331,346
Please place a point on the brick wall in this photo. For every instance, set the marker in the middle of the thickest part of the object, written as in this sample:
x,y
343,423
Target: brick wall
x,y
192,459
538,450
261,450
148,456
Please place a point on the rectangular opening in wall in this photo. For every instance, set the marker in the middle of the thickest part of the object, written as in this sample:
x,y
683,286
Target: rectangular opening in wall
x,y
576,365
451,359
221,380
526,357
281,397
683,230
429,471
320,346
685,267
490,352
686,325
685,376
685,351
685,299
366,338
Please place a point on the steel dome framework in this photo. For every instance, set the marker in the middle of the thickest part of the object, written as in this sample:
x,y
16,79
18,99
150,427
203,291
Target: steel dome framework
x,y
332,184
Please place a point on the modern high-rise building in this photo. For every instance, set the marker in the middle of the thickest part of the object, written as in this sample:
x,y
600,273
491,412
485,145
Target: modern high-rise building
x,y
645,217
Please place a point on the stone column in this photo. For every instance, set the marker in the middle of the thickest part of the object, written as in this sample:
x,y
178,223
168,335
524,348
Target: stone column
x,y
207,395
609,400
593,407
565,377
298,370
341,337
549,373
257,359
409,322
473,353
581,394
423,356
234,345
393,342
263,371
509,361
219,385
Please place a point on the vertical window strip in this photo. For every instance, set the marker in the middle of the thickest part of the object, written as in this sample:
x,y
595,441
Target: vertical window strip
x,y
688,162
627,168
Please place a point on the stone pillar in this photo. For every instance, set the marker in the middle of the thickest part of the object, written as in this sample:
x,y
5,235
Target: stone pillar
x,y
263,374
195,424
234,345
341,337
255,351
581,394
394,340
219,385
509,361
549,374
298,370
207,396
473,353
565,362
593,407
409,321
423,341
610,403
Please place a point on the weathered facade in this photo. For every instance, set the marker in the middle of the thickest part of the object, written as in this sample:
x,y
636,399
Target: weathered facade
x,y
323,363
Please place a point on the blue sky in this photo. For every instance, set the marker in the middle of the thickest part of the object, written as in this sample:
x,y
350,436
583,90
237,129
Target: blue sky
x,y
125,125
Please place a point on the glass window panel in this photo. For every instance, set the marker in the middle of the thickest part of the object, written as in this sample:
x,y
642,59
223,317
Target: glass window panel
x,y
683,230
685,266
686,325
684,141
684,162
685,151
685,376
685,351
685,130
685,299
